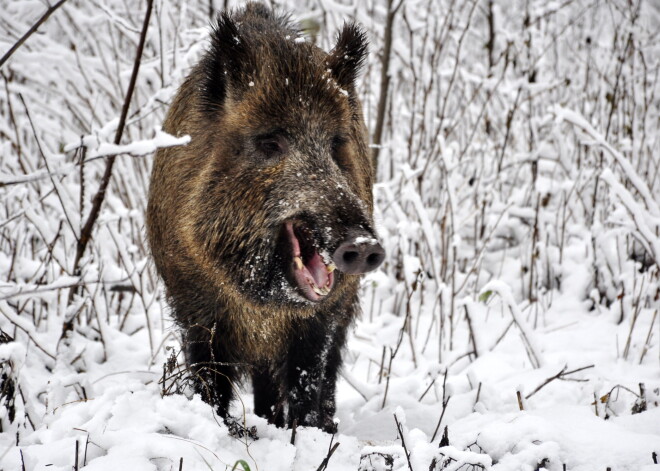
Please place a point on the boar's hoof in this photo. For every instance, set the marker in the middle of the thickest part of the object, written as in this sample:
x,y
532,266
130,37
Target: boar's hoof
x,y
358,255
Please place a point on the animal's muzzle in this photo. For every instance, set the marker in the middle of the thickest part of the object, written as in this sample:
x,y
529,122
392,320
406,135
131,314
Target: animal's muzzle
x,y
358,254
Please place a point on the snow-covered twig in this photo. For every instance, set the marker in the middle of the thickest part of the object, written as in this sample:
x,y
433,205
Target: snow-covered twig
x,y
640,216
99,197
529,339
561,375
574,118
51,9
453,459
25,326
367,391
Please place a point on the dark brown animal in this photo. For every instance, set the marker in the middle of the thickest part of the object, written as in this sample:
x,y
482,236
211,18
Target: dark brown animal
x,y
248,222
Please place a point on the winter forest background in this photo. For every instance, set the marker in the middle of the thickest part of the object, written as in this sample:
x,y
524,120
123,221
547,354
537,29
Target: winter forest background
x,y
514,325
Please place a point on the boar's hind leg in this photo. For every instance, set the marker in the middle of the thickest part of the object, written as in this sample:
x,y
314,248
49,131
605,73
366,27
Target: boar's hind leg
x,y
314,359
213,376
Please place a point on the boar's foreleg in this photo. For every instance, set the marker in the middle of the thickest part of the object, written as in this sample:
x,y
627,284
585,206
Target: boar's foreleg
x,y
313,363
327,398
267,386
213,374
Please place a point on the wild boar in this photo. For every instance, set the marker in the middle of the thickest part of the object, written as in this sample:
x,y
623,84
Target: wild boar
x,y
262,225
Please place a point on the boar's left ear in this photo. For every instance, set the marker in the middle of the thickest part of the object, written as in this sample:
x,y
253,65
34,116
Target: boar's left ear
x,y
225,63
348,56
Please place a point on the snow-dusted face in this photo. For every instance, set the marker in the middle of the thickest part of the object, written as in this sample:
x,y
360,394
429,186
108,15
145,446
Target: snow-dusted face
x,y
288,209
287,193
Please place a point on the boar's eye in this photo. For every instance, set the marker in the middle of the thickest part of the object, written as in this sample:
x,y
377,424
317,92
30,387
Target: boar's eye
x,y
336,145
272,145
337,142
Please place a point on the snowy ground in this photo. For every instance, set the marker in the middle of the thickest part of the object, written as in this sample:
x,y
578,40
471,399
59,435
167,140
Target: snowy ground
x,y
517,199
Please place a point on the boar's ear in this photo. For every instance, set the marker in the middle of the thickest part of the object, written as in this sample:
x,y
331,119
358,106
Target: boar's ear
x,y
347,58
224,64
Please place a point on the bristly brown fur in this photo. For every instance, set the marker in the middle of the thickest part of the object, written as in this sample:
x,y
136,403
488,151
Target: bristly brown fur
x,y
217,205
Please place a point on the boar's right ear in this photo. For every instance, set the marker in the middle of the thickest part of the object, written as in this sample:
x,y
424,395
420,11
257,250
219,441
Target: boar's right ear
x,y
224,63
348,56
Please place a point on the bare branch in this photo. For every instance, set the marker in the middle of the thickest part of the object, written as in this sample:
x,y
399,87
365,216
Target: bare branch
x,y
29,32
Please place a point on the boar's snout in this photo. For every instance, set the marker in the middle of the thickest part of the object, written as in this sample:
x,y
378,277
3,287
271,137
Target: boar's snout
x,y
358,254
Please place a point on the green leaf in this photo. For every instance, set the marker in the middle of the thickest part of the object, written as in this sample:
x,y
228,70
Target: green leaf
x,y
483,297
245,466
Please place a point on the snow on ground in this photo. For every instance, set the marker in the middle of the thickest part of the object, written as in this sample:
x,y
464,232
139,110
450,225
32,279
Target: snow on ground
x,y
125,421
517,199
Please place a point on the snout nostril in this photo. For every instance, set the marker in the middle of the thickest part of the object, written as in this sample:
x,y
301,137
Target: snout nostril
x,y
374,259
358,255
350,257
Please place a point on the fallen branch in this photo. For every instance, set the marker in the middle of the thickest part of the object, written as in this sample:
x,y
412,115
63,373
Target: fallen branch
x,y
561,376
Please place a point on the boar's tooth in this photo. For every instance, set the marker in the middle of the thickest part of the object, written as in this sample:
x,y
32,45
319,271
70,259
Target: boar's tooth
x,y
330,268
321,291
299,263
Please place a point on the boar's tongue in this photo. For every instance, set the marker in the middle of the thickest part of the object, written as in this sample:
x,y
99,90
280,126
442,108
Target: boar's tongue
x,y
312,276
317,269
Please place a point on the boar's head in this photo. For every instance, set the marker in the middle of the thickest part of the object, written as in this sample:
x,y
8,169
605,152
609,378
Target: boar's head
x,y
285,195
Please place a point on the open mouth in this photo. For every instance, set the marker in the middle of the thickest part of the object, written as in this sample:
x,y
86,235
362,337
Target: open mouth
x,y
312,274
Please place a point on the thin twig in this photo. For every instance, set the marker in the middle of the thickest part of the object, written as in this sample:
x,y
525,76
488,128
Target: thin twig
x,y
30,31
294,427
75,465
648,338
384,79
445,402
520,402
25,326
399,429
437,427
426,390
472,338
326,460
562,376
43,156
